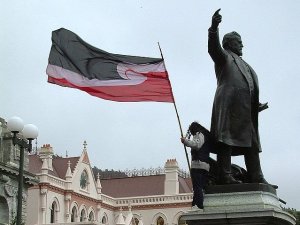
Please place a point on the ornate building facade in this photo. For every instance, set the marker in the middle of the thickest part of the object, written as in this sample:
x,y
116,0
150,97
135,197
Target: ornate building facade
x,y
9,170
68,192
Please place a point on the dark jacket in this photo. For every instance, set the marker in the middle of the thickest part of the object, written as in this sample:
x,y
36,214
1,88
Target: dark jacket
x,y
202,154
233,111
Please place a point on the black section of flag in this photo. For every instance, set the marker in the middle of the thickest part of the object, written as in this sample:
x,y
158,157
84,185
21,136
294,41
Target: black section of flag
x,y
70,52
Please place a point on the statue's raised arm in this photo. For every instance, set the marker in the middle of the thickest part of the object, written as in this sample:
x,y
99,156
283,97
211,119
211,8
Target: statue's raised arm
x,y
216,20
214,47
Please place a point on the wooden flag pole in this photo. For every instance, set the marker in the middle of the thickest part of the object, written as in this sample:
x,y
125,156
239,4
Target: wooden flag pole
x,y
181,132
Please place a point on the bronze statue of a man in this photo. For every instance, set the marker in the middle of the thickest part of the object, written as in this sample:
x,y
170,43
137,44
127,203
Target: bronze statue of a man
x,y
234,122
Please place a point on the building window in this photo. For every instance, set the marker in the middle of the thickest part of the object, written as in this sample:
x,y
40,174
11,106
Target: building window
x,y
53,212
91,216
82,215
73,214
135,221
160,221
104,220
84,180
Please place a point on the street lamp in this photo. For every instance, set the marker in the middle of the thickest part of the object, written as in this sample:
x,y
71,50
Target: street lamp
x,y
30,132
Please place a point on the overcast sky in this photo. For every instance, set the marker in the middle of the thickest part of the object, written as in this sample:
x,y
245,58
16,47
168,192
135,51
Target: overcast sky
x,y
146,134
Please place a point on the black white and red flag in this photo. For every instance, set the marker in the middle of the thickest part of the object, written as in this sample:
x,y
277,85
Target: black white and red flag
x,y
76,64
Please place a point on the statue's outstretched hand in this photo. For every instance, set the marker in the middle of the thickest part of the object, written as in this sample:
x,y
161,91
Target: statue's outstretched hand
x,y
216,19
262,107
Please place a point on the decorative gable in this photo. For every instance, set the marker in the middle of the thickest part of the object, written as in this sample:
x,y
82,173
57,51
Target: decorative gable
x,y
86,158
83,180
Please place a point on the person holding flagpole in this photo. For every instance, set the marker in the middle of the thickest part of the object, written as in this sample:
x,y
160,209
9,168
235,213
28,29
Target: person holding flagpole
x,y
200,149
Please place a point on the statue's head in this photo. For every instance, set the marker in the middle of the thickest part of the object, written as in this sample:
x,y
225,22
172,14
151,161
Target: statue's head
x,y
233,42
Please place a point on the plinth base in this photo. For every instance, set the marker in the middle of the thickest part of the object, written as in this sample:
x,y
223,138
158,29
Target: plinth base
x,y
240,204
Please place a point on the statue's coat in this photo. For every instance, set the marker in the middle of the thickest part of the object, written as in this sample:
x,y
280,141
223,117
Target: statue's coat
x,y
233,111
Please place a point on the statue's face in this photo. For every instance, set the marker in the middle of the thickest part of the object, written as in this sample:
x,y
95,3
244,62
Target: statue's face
x,y
236,46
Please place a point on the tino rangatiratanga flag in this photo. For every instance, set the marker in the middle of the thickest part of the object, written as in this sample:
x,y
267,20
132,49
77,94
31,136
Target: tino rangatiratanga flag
x,y
76,64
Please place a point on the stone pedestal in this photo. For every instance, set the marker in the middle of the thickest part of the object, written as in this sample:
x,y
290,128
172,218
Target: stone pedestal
x,y
240,204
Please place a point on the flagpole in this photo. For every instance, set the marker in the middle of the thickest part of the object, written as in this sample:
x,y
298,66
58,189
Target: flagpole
x,y
174,103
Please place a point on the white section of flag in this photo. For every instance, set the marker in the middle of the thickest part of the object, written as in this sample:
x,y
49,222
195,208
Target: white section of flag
x,y
131,74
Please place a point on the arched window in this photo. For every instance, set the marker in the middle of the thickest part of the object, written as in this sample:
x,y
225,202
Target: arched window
x,y
52,212
73,214
53,215
104,220
178,220
91,216
135,221
82,215
160,221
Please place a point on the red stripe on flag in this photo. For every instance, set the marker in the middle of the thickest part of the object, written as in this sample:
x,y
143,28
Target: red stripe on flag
x,y
158,90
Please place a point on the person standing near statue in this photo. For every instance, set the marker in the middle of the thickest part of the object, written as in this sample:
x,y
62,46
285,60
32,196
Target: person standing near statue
x,y
200,148
234,122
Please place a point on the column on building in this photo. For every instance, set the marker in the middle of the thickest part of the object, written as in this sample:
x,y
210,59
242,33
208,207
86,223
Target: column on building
x,y
43,193
46,153
99,197
68,185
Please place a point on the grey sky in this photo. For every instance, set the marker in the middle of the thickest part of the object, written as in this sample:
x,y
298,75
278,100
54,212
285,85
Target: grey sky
x,y
137,135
